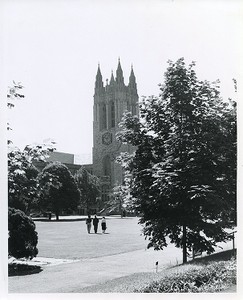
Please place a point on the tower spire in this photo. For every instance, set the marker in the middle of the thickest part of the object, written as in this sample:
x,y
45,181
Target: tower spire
x,y
119,73
112,80
132,79
98,81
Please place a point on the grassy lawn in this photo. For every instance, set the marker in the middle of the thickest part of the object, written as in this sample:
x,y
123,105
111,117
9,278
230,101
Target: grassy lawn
x,y
99,269
211,274
70,240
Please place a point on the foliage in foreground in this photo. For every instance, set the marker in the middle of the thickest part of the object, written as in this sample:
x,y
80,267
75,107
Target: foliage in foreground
x,y
23,238
213,277
184,169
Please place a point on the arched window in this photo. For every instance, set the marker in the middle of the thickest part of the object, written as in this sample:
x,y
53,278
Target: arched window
x,y
133,110
112,114
102,116
107,166
105,191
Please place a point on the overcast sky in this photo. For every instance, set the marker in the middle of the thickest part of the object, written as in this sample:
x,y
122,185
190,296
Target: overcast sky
x,y
53,48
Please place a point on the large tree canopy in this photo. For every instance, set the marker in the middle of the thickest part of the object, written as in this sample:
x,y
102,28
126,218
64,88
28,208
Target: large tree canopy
x,y
22,175
58,189
184,169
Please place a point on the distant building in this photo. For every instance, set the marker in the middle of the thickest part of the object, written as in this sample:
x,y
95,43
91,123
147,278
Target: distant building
x,y
65,158
110,102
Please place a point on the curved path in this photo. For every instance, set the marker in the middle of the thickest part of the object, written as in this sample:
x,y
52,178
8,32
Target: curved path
x,y
106,257
70,277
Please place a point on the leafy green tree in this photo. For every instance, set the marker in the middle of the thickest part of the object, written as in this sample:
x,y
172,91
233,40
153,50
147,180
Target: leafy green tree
x,y
184,168
121,199
89,186
22,189
116,200
22,237
22,175
58,189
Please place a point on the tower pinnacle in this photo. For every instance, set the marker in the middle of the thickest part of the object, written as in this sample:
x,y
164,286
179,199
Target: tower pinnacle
x,y
119,73
112,78
98,81
132,79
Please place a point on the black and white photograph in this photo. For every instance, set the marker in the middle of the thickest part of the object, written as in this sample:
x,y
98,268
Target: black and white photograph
x,y
119,148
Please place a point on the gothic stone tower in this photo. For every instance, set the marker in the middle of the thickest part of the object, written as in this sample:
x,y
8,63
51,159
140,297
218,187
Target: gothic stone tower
x,y
110,102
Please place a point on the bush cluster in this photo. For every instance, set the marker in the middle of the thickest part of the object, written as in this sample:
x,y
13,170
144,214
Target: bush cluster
x,y
213,277
22,269
22,237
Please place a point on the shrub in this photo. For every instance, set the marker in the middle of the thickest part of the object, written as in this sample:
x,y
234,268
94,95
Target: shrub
x,y
22,269
22,238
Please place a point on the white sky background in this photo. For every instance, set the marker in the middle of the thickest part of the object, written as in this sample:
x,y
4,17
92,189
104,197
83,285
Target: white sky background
x,y
53,48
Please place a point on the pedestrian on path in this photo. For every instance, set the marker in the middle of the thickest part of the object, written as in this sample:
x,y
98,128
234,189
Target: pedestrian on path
x,y
95,223
88,223
103,224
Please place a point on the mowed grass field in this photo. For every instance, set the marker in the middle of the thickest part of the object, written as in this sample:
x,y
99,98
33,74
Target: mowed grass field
x,y
70,240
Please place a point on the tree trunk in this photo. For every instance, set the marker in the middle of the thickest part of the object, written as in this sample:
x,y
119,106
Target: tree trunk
x,y
57,216
184,244
120,207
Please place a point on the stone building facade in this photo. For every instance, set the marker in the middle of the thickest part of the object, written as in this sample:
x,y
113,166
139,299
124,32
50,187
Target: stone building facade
x,y
110,102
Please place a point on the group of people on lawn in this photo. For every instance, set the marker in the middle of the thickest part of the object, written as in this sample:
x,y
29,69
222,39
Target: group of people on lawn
x,y
95,224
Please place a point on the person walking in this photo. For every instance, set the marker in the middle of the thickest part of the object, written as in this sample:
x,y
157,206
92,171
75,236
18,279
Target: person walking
x,y
103,224
88,223
95,223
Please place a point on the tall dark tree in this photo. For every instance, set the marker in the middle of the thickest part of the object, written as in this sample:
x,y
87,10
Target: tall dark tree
x,y
58,189
89,186
184,169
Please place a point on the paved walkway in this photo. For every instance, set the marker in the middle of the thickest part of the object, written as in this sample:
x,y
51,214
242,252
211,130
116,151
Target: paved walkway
x,y
69,277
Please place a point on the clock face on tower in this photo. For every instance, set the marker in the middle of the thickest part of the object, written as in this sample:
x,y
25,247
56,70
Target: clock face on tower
x,y
107,138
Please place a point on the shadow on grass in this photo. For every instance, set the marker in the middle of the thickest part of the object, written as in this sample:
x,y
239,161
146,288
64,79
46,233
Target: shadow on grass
x,y
220,256
22,269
